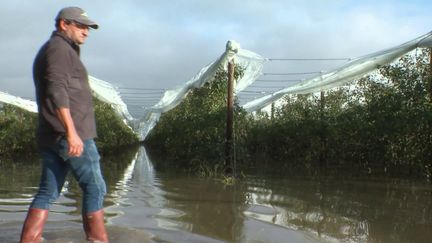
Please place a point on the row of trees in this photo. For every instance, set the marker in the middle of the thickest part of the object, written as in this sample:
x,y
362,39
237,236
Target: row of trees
x,y
192,135
18,129
378,125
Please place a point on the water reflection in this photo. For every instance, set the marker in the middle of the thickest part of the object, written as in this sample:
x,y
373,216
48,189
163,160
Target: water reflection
x,y
382,211
175,207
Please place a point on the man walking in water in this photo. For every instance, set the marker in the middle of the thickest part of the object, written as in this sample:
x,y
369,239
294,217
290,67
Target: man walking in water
x,y
66,127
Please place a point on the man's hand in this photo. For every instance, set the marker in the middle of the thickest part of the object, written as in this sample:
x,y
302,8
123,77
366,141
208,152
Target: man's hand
x,y
75,144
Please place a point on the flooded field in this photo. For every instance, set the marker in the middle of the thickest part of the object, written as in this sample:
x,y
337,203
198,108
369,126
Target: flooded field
x,y
146,205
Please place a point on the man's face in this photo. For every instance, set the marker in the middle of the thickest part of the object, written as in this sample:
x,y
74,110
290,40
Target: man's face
x,y
75,31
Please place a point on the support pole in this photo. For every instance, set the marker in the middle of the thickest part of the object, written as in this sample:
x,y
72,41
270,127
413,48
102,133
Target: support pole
x,y
323,152
229,124
272,111
430,75
322,102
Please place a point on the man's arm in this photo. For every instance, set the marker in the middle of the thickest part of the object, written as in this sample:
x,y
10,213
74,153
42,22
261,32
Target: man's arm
x,y
74,141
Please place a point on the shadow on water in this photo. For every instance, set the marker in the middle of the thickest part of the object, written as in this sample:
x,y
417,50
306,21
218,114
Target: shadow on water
x,y
147,205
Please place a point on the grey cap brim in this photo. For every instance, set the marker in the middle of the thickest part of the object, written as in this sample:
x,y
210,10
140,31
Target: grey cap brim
x,y
87,22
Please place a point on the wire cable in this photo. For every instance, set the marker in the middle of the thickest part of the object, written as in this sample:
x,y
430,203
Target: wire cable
x,y
273,80
300,73
309,59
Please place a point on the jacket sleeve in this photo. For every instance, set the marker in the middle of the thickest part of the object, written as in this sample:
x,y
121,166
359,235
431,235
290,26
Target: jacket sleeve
x,y
58,70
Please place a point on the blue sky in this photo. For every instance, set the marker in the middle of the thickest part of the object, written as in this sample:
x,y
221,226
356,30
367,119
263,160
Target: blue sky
x,y
161,44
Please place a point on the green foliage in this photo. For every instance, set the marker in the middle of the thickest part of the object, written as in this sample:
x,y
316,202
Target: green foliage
x,y
379,125
18,129
113,133
193,133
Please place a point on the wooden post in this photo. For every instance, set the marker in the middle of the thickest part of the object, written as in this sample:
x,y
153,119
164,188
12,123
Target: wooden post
x,y
322,157
430,75
272,111
229,124
322,102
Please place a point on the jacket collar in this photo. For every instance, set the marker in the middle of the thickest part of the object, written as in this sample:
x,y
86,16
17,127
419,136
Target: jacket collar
x,y
67,40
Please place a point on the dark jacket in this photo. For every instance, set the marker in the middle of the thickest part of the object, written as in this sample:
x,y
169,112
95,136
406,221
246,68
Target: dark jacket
x,y
61,81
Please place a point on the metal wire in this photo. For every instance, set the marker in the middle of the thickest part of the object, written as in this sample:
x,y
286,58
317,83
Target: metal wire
x,y
301,73
309,59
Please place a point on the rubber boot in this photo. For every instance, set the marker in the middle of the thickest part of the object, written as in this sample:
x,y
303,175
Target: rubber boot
x,y
94,226
33,225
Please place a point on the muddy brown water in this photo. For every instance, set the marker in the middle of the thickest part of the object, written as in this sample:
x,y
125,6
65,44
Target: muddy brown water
x,y
145,205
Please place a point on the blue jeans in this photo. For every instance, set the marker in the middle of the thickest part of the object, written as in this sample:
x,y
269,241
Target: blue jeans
x,y
85,168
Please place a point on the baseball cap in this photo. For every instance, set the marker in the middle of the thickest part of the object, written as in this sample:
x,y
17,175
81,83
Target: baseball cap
x,y
78,15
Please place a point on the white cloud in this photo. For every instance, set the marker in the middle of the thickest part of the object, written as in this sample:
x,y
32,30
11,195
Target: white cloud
x,y
164,43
